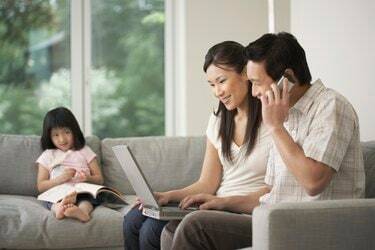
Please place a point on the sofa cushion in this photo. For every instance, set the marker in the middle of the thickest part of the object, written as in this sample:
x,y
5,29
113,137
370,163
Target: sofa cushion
x,y
25,223
167,162
368,149
17,162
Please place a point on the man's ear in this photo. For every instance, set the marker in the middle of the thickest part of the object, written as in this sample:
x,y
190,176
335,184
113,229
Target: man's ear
x,y
289,73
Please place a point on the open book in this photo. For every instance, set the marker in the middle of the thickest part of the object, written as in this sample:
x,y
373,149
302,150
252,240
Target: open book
x,y
107,196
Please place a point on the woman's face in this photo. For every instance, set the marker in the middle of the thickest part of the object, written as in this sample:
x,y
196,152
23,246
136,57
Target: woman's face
x,y
228,86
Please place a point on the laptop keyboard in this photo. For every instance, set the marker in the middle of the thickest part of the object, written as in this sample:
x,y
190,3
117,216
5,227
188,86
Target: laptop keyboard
x,y
168,207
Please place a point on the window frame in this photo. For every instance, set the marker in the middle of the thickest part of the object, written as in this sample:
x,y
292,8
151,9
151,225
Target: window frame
x,y
80,28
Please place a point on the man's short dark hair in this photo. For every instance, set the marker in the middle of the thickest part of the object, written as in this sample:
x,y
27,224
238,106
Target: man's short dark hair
x,y
280,52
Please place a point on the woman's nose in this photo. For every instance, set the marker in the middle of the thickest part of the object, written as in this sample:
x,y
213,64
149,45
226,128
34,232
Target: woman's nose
x,y
254,91
218,91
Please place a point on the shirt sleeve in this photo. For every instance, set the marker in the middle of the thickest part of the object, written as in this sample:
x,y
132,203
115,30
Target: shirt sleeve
x,y
212,131
331,132
87,152
270,171
45,159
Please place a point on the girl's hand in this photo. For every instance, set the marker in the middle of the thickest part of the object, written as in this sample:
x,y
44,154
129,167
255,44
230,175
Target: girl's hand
x,y
81,176
67,175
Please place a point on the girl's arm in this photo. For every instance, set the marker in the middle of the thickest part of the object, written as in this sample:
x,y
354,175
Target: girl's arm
x,y
209,180
96,176
44,183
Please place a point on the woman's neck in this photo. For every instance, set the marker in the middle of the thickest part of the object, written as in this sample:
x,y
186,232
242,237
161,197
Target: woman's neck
x,y
243,110
241,115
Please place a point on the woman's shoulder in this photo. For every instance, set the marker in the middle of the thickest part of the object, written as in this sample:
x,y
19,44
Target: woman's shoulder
x,y
214,119
213,127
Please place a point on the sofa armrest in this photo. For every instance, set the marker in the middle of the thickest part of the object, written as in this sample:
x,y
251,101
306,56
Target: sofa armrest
x,y
336,224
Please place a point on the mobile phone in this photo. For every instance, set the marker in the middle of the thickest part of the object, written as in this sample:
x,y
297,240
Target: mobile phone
x,y
280,83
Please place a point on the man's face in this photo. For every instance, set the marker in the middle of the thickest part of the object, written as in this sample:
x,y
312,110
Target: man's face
x,y
261,81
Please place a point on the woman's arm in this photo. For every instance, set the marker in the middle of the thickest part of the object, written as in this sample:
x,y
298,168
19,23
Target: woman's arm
x,y
209,180
236,203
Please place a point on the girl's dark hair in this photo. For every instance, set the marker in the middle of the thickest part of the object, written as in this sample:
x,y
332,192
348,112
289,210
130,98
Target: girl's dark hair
x,y
230,55
279,52
61,118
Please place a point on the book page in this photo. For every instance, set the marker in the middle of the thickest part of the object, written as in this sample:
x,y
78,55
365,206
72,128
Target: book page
x,y
56,193
87,187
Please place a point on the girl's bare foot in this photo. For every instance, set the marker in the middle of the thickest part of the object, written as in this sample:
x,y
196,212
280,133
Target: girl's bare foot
x,y
72,211
70,198
59,211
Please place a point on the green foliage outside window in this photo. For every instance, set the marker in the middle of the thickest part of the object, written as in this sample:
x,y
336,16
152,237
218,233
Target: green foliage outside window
x,y
127,79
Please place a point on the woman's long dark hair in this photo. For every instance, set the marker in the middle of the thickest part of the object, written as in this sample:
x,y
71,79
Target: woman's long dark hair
x,y
230,55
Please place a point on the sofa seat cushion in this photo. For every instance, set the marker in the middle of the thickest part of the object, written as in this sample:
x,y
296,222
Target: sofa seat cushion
x,y
26,224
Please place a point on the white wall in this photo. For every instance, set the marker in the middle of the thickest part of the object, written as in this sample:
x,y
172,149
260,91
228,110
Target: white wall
x,y
339,39
203,24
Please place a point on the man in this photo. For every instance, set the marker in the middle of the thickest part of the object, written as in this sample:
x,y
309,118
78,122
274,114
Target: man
x,y
316,151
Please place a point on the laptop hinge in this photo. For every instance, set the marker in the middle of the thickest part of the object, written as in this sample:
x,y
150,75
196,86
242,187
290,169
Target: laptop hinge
x,y
152,207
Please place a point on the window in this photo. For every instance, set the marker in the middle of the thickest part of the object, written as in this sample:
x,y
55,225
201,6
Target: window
x,y
34,62
126,76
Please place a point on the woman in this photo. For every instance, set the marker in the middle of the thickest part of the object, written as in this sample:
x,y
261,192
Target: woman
x,y
236,151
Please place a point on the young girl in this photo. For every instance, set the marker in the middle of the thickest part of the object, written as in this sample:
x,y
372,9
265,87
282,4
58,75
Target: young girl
x,y
66,159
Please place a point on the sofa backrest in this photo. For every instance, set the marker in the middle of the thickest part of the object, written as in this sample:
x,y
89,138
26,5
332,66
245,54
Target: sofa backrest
x,y
368,149
167,162
18,171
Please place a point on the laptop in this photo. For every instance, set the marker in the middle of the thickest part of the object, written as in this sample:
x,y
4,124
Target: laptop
x,y
151,208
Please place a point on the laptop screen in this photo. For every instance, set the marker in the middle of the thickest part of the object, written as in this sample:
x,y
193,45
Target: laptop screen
x,y
135,175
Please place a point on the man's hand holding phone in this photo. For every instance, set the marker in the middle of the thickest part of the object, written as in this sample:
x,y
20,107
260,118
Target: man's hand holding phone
x,y
281,82
275,104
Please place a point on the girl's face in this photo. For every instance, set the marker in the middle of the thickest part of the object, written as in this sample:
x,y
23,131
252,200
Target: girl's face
x,y
62,138
228,86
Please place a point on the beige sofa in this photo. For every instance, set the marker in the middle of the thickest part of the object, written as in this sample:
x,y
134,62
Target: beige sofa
x,y
168,162
24,222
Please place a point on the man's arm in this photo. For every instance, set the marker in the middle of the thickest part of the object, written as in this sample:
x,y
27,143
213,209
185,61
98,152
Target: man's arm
x,y
314,176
